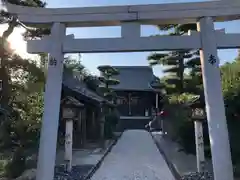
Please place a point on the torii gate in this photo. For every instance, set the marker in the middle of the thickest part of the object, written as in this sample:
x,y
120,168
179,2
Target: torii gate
x,y
130,18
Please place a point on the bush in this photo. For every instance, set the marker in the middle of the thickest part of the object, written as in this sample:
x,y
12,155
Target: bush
x,y
2,166
111,120
183,126
17,165
186,137
177,114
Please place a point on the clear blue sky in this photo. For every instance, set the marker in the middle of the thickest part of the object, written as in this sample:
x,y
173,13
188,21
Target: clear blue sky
x,y
91,61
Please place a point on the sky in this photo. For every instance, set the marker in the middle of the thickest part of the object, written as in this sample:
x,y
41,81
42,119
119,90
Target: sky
x,y
91,61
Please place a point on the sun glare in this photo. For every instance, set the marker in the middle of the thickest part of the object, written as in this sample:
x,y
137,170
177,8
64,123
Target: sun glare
x,y
17,44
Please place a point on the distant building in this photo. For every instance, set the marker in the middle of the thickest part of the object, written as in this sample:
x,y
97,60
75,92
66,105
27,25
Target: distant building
x,y
135,98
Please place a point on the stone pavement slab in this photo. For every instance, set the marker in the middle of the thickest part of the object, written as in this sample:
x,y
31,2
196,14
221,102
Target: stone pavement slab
x,y
134,157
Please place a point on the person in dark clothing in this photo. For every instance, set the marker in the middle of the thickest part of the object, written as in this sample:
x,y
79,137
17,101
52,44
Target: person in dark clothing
x,y
156,124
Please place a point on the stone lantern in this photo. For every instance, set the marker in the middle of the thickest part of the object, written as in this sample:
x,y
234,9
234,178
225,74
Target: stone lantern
x,y
70,111
198,115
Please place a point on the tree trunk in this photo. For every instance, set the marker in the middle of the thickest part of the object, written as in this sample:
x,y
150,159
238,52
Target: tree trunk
x,y
5,94
181,76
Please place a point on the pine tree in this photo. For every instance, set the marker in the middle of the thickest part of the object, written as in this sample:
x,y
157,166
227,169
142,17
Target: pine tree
x,y
107,81
107,73
178,62
175,67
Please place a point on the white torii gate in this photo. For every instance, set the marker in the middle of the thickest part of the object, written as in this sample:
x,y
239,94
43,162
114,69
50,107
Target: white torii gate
x,y
130,18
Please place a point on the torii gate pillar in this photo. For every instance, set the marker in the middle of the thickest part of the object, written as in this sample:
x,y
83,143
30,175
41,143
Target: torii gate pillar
x,y
218,131
52,96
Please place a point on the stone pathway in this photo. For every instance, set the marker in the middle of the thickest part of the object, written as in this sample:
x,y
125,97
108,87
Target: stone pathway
x,y
134,157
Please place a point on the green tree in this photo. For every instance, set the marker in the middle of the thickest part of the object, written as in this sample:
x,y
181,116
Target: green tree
x,y
21,95
178,61
12,22
75,65
175,67
107,80
20,131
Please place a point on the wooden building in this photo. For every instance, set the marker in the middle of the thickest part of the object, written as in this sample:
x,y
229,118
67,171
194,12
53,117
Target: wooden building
x,y
87,124
134,95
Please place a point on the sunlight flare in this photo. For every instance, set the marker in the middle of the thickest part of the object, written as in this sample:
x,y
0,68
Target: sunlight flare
x,y
17,43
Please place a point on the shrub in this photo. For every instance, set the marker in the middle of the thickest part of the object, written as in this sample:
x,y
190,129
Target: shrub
x,y
111,120
16,165
177,114
183,126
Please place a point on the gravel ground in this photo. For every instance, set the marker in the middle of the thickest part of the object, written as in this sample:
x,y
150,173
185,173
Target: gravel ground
x,y
134,157
198,176
78,172
184,164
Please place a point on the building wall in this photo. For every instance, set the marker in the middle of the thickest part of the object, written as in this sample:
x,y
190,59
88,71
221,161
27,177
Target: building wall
x,y
135,103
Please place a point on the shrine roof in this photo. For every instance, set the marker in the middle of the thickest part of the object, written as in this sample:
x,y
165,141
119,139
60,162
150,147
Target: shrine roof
x,y
134,78
74,83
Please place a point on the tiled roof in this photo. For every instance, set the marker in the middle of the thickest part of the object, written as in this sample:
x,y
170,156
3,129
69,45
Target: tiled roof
x,y
134,78
74,82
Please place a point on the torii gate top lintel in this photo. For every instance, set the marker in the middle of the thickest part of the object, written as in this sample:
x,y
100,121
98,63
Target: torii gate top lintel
x,y
171,13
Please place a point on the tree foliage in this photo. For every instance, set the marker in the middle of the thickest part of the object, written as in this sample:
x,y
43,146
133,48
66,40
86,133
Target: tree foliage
x,y
181,115
176,62
75,66
21,95
21,128
20,125
107,79
231,90
5,55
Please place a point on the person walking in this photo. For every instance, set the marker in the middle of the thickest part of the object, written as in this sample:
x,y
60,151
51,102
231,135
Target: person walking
x,y
161,115
153,124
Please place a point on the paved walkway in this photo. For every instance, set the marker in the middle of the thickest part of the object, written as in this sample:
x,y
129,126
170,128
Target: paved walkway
x,y
134,157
